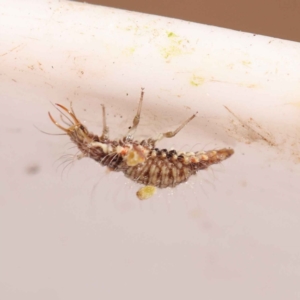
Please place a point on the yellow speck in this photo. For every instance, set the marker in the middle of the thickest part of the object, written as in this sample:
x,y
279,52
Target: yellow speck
x,y
172,50
146,192
129,51
173,46
197,80
249,85
246,63
252,86
171,34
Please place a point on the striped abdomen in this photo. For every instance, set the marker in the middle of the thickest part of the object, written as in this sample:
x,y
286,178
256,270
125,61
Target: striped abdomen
x,y
167,169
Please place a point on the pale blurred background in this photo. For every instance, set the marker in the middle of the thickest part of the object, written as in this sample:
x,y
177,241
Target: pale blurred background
x,y
276,18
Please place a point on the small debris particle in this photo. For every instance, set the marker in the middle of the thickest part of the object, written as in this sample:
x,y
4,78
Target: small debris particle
x,y
33,169
146,192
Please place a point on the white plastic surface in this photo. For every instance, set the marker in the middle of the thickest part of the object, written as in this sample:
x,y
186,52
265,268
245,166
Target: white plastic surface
x,y
231,232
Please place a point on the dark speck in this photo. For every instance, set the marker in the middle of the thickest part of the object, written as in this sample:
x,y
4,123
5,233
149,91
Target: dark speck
x,y
32,169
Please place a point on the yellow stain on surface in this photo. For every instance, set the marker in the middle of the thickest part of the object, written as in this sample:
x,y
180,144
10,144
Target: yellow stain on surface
x,y
246,63
252,86
197,80
129,51
174,46
296,104
171,34
249,85
172,50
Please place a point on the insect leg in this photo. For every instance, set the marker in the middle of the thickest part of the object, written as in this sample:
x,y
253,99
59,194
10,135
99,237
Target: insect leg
x,y
105,127
136,119
171,134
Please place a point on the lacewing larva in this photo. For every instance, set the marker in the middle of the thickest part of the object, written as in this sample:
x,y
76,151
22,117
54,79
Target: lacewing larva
x,y
140,161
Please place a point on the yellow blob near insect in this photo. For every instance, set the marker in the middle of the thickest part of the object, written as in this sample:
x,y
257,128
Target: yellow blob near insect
x,y
140,161
146,192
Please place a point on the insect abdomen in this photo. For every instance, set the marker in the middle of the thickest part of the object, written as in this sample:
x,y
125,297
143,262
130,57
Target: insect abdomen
x,y
169,169
159,172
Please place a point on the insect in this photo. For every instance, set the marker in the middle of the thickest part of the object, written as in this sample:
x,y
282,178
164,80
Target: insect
x,y
140,161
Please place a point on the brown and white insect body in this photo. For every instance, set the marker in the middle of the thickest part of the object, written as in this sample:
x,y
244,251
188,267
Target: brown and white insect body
x,y
140,161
